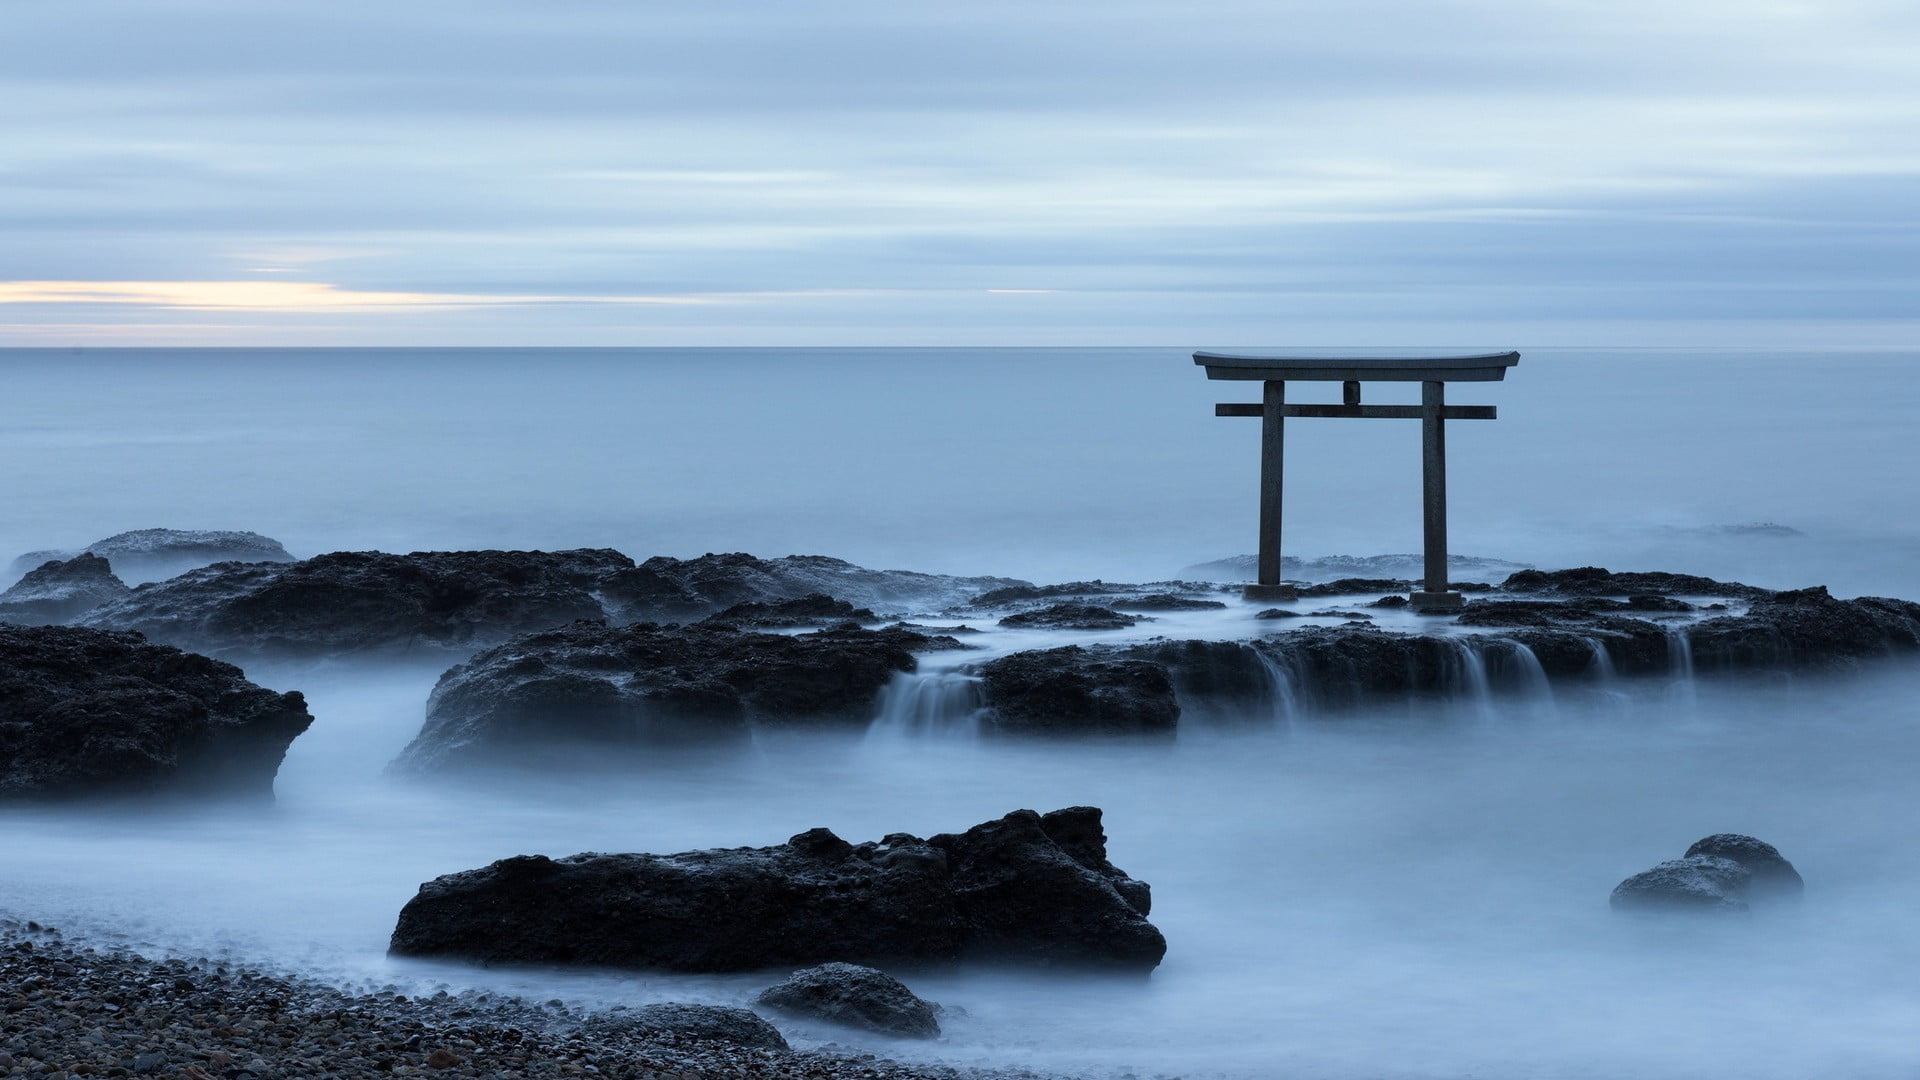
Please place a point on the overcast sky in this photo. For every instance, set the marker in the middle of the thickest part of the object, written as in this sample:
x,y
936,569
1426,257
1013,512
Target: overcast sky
x,y
1122,172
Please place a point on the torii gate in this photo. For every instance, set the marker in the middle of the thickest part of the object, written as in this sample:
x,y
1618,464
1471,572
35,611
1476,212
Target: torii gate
x,y
1431,372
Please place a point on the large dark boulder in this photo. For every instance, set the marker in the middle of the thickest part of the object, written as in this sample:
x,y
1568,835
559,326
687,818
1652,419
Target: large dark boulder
x,y
57,591
1069,617
590,687
90,712
854,996
1162,601
1723,873
1008,890
664,589
1075,690
682,1020
367,601
147,554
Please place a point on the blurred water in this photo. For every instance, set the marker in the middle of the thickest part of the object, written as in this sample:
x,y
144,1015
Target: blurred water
x,y
1406,892
1040,463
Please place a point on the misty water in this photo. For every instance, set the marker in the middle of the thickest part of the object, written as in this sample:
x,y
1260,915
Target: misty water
x,y
1416,889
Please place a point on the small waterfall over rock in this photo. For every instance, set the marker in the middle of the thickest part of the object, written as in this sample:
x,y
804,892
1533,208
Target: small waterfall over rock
x,y
1517,663
928,704
1601,667
1285,699
1466,674
1680,664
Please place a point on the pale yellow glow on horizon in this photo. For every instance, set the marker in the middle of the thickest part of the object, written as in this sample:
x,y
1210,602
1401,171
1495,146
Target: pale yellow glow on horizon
x,y
284,296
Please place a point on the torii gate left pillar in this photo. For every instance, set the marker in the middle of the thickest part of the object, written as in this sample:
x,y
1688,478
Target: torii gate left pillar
x,y
1432,372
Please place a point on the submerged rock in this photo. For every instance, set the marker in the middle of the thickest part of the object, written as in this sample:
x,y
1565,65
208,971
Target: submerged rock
x,y
1695,883
664,589
710,1023
854,996
1006,890
1070,617
57,591
89,712
1772,874
594,688
1075,690
367,601
145,554
1721,873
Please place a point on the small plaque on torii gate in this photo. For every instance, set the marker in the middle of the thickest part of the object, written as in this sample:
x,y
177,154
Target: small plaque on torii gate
x,y
1433,373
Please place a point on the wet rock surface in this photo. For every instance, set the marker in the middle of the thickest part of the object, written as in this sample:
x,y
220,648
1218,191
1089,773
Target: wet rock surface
x,y
1724,873
1069,617
1596,581
1024,888
816,609
1164,602
88,713
367,602
593,688
1077,689
146,554
664,589
76,1009
854,996
55,592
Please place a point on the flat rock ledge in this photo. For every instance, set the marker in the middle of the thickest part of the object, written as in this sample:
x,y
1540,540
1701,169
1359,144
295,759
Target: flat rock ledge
x,y
80,1009
1561,626
1023,889
87,713
619,691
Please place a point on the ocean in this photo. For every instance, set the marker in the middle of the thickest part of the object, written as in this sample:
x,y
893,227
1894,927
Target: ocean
x,y
1392,892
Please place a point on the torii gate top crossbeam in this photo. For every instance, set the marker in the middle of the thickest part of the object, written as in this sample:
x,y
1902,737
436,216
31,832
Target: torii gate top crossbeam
x,y
1486,367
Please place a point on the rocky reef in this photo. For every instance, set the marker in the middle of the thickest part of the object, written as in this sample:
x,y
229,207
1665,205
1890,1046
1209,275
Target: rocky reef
x,y
647,687
664,589
1724,873
148,554
1026,888
55,591
88,713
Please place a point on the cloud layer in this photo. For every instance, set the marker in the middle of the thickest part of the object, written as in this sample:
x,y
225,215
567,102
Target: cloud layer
x,y
1127,172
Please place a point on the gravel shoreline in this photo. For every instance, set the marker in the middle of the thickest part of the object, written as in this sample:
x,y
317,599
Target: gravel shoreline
x,y
68,1010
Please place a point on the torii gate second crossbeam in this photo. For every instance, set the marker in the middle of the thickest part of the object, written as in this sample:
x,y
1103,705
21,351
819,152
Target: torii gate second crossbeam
x,y
1431,372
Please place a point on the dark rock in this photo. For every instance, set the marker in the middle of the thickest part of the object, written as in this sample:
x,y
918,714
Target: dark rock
x,y
935,631
1164,602
855,996
812,610
89,712
1594,581
1007,890
1070,617
1278,613
1390,602
1805,627
58,591
1072,690
665,589
1695,883
1719,873
368,601
714,1023
146,554
644,687
1351,586
1333,614
1772,874
1022,592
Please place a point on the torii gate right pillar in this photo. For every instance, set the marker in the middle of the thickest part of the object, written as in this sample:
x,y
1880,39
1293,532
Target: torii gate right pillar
x,y
1434,595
